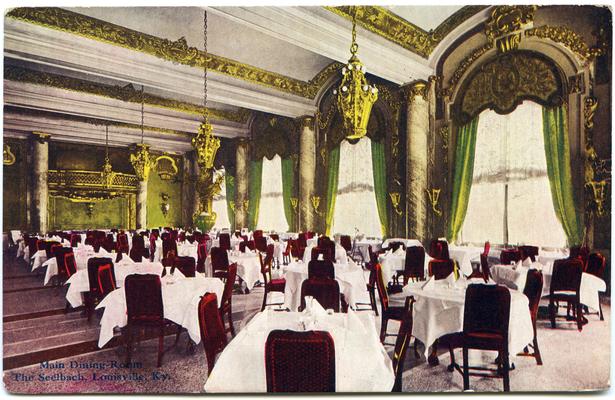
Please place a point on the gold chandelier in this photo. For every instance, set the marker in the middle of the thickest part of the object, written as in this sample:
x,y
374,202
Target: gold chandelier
x,y
141,159
205,144
107,169
355,96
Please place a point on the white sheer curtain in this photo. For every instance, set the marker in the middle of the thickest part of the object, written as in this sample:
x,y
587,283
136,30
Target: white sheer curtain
x,y
271,209
219,204
510,157
355,206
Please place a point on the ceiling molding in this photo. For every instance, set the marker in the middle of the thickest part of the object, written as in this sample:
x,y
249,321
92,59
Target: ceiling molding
x,y
394,28
175,51
126,93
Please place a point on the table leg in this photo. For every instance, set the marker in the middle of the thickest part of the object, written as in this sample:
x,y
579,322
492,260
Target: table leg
x,y
432,359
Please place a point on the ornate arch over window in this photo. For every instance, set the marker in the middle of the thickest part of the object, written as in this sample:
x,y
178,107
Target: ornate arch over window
x,y
273,134
505,81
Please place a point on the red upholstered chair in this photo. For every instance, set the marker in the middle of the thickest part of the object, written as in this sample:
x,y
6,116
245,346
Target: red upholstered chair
x,y
484,266
260,243
257,234
565,287
298,362
186,265
275,237
108,243
225,241
219,262
226,304
137,252
414,265
70,265
63,272
190,238
297,249
528,251
485,327
394,246
404,336
122,243
169,260
48,246
249,244
325,291
271,285
152,246
509,255
324,251
287,254
168,245
302,240
101,283
596,265
438,249
371,290
440,269
181,237
75,239
487,248
310,234
145,310
321,269
580,252
388,312
533,291
213,335
346,243
201,252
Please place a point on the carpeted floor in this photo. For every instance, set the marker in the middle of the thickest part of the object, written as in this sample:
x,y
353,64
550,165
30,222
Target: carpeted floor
x,y
37,329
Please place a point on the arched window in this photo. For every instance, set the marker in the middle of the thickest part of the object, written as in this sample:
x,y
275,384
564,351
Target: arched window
x,y
510,200
219,204
355,205
271,209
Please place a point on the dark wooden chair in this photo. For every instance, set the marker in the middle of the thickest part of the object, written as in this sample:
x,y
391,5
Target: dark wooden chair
x,y
226,303
596,265
186,265
137,252
533,291
371,290
438,249
508,256
324,251
414,265
212,330
346,243
528,251
321,269
271,285
298,362
225,241
122,243
260,243
440,269
75,239
325,291
101,275
404,336
201,252
219,262
566,287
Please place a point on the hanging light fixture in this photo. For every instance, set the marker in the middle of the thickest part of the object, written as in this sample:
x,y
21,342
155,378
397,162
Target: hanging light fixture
x,y
141,159
355,96
107,169
205,144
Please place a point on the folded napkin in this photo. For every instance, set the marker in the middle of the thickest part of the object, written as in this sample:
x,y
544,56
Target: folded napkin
x,y
429,285
353,323
388,252
400,252
527,262
103,252
313,307
126,260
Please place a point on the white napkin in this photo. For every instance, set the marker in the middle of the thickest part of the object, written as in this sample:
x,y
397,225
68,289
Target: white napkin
x,y
388,252
144,260
353,323
400,252
103,252
316,309
429,285
527,262
126,260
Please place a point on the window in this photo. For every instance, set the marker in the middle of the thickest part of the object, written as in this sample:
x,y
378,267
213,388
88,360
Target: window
x,y
355,205
271,209
219,204
510,201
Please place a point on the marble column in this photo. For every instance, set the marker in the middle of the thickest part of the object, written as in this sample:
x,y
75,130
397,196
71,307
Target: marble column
x,y
189,194
40,193
241,184
307,171
141,210
417,146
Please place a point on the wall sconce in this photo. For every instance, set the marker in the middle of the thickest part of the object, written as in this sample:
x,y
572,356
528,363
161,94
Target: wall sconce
x,y
232,205
395,199
294,202
246,206
164,204
316,204
89,209
434,198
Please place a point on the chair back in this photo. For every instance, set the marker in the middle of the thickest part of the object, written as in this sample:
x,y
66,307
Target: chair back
x,y
48,245
265,267
275,237
324,251
567,275
325,291
414,265
108,243
257,234
122,243
219,259
212,330
186,265
143,298
75,239
300,361
107,277
201,252
528,251
346,242
381,287
225,241
487,248
70,265
580,252
321,269
227,294
440,269
402,343
486,310
596,264
439,249
509,255
394,246
373,256
261,243
168,245
533,291
484,266
60,256
302,240
246,244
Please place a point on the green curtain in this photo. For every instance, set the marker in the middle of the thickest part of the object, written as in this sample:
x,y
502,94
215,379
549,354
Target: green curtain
x,y
462,181
380,183
557,151
332,175
254,193
229,182
288,188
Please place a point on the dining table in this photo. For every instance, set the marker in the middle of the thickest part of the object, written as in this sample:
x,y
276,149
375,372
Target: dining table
x,y
407,242
180,299
248,266
361,362
393,262
465,255
340,254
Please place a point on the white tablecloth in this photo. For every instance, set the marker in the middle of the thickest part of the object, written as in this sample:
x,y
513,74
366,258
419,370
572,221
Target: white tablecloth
x,y
361,362
248,266
515,278
439,311
391,263
234,242
340,254
363,246
349,276
188,250
407,242
464,255
80,281
38,259
180,298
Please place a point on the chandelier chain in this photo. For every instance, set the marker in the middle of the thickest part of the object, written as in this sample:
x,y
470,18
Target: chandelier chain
x,y
107,143
205,61
142,112
354,46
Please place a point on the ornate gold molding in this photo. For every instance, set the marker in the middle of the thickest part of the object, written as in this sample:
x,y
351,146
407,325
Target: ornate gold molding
x,y
504,27
166,167
89,180
399,31
141,160
467,61
416,89
8,157
176,51
569,39
126,93
41,137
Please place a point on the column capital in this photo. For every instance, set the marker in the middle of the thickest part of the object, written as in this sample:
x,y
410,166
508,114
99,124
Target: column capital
x,y
41,137
413,90
306,121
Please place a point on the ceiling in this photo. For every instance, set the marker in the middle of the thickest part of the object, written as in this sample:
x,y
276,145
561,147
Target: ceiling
x,y
267,59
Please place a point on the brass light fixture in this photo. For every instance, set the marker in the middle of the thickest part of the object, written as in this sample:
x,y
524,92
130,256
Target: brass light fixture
x,y
355,96
107,169
164,204
141,159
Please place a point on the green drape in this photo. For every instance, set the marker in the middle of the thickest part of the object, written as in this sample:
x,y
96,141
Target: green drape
x,y
229,182
332,179
557,151
254,193
288,188
462,181
380,183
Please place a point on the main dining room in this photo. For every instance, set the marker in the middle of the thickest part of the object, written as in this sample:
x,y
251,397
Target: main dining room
x,y
323,198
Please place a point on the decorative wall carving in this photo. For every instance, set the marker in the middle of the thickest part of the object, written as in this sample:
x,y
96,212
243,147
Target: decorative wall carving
x,y
8,157
166,167
504,28
84,186
273,134
505,81
597,170
568,38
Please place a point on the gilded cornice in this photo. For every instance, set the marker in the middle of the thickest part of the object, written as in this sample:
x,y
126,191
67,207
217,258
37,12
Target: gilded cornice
x,y
568,38
126,93
387,24
176,51
467,61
